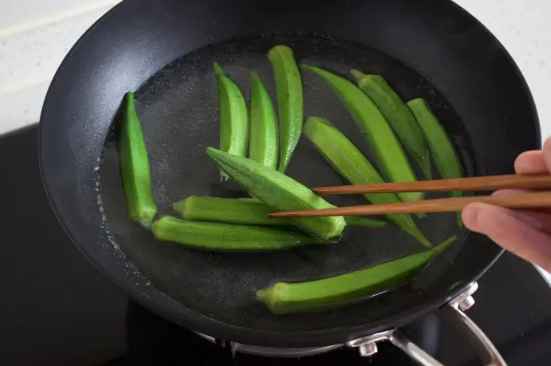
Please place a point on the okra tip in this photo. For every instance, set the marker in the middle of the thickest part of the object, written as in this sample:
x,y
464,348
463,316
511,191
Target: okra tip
x,y
357,74
255,78
313,120
280,48
212,152
417,101
417,234
445,244
217,156
217,69
360,76
129,103
321,72
317,70
130,106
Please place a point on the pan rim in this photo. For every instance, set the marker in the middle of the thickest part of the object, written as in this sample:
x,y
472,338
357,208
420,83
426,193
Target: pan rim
x,y
198,322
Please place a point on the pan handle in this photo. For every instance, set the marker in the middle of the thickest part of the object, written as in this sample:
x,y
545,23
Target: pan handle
x,y
452,314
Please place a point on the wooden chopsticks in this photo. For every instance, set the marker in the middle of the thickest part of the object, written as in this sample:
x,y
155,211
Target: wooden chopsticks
x,y
489,183
517,201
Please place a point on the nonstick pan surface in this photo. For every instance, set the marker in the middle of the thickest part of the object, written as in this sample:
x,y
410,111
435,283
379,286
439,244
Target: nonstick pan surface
x,y
164,50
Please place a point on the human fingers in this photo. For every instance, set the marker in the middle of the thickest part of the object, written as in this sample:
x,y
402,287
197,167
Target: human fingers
x,y
547,153
543,215
521,234
531,162
535,162
538,219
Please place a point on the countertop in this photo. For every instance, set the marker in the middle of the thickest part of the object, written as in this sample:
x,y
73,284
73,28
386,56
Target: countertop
x,y
36,35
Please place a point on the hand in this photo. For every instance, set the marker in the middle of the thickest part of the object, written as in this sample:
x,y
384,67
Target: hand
x,y
525,233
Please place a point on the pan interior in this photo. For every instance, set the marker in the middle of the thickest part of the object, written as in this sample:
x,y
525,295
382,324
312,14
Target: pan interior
x,y
179,114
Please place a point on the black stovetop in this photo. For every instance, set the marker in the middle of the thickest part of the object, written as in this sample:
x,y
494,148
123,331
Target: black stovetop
x,y
57,309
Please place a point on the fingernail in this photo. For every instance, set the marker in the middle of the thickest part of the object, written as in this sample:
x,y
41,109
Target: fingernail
x,y
547,144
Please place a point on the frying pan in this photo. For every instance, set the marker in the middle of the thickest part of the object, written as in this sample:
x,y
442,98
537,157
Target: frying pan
x,y
163,50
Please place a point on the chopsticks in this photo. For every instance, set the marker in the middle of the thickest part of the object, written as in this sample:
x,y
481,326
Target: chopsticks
x,y
488,183
518,201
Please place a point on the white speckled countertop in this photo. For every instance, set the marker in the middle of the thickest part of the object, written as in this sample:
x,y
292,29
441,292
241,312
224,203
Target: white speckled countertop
x,y
35,35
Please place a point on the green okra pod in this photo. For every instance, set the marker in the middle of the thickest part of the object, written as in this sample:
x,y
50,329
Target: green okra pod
x,y
134,163
245,211
338,291
443,152
398,115
279,192
352,165
391,158
289,100
226,237
359,221
264,139
234,121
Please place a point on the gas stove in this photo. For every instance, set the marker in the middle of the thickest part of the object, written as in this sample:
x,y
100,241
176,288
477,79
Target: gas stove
x,y
57,309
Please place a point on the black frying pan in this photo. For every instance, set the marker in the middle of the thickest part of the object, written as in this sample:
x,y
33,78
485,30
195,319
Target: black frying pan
x,y
163,51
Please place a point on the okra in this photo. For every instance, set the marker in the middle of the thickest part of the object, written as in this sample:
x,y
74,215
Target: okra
x,y
442,150
334,292
134,165
289,100
358,221
234,122
352,165
391,158
279,192
226,237
244,211
263,146
398,115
